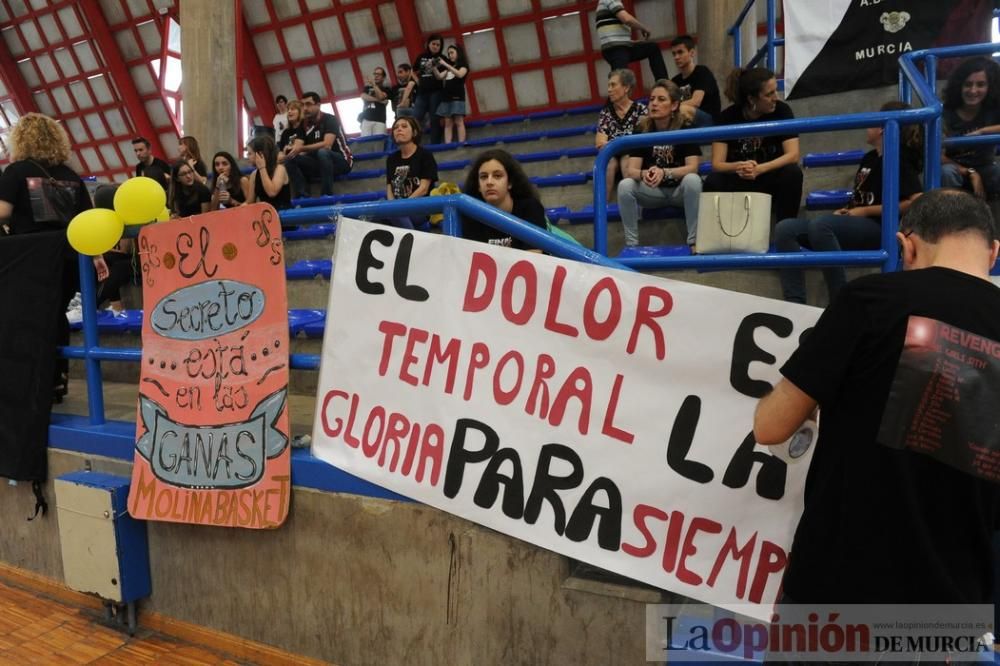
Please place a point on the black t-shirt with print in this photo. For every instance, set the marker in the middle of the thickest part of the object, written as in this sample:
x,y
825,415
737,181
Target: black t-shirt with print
x,y
758,148
22,180
868,179
404,174
885,522
665,156
289,135
327,124
529,210
375,111
701,79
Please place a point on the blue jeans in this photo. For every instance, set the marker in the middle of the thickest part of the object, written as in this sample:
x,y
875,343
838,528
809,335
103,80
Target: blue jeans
x,y
950,177
702,119
632,195
325,163
827,233
427,104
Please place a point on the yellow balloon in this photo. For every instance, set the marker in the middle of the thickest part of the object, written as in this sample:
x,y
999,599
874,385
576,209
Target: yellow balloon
x,y
164,215
139,200
95,231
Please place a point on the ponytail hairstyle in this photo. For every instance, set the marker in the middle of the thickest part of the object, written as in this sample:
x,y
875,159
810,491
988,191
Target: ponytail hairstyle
x,y
745,83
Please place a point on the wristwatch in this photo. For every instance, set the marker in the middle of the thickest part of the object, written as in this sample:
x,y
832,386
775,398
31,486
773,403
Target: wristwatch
x,y
970,170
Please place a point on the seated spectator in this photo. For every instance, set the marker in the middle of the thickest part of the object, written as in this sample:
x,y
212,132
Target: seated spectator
x,y
971,108
188,196
429,88
498,179
410,172
404,92
376,97
768,164
859,225
117,267
188,151
454,71
230,186
269,183
664,174
280,120
614,29
293,138
149,166
699,90
618,118
324,152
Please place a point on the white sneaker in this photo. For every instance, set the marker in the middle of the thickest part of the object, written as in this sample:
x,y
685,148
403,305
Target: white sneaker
x,y
74,315
76,301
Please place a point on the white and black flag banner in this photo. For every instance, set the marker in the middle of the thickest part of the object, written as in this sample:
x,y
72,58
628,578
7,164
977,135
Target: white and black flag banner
x,y
837,45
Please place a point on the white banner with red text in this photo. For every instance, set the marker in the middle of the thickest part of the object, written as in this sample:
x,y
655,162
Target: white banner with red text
x,y
602,414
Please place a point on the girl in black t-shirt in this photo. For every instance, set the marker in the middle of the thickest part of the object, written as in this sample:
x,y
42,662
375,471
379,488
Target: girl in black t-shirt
x,y
858,226
971,108
410,172
230,186
187,195
496,178
757,164
429,88
269,183
453,70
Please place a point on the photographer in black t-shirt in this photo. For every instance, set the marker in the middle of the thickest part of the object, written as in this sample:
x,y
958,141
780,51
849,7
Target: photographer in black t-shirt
x,y
900,506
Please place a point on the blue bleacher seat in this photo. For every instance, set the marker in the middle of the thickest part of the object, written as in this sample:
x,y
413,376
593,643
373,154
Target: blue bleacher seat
x,y
314,231
561,179
299,318
315,327
850,157
308,269
655,251
827,199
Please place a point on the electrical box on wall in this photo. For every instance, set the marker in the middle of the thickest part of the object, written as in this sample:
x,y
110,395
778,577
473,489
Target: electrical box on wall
x,y
104,550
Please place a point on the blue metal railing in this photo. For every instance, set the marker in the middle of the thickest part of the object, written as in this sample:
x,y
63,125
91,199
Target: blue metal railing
x,y
452,207
769,49
885,257
929,115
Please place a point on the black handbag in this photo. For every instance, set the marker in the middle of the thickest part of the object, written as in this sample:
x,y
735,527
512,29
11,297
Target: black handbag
x,y
52,201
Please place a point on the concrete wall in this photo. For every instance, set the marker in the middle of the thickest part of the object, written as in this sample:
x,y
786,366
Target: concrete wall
x,y
359,581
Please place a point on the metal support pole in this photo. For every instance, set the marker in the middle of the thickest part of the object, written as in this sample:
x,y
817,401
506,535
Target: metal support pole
x,y
890,194
452,223
932,137
772,35
88,302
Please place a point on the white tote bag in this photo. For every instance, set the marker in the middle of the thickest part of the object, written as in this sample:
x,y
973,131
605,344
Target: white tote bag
x,y
734,223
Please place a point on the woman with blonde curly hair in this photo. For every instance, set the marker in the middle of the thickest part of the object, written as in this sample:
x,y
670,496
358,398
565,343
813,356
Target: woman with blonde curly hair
x,y
40,193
